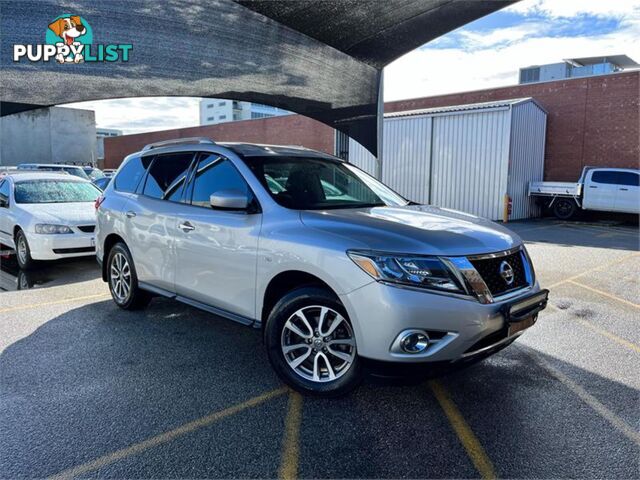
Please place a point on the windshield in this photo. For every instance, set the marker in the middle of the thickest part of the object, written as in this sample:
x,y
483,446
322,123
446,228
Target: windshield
x,y
302,183
76,171
54,191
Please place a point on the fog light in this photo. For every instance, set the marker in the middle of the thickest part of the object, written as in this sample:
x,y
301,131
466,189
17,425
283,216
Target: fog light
x,y
415,342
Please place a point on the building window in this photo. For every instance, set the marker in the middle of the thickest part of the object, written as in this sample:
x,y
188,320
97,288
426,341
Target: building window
x,y
222,117
255,115
209,105
210,119
222,104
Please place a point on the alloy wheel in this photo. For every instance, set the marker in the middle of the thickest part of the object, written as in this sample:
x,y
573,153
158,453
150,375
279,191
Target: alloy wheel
x,y
120,276
318,344
22,250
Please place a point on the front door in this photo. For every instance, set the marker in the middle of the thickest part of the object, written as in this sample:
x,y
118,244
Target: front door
x,y
628,195
216,249
601,190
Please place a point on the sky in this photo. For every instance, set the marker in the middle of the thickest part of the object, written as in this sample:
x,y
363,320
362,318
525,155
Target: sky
x,y
482,54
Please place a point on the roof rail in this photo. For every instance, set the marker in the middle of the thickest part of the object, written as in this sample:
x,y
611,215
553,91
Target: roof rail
x,y
178,141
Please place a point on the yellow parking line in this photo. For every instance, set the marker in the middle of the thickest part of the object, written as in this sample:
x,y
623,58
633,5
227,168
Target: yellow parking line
x,y
166,436
594,269
290,444
466,436
605,294
57,302
602,331
590,400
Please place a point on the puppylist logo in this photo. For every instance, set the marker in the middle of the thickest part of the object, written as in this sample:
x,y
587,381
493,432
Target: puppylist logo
x,y
69,39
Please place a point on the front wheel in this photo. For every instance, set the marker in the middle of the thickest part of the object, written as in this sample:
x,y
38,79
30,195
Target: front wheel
x,y
311,344
123,281
23,252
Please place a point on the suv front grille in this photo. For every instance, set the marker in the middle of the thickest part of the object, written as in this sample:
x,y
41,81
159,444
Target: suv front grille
x,y
489,270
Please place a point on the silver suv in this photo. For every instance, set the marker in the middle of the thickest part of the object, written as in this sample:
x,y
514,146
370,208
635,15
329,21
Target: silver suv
x,y
334,267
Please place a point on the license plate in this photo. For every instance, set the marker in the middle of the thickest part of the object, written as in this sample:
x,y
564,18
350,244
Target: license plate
x,y
516,327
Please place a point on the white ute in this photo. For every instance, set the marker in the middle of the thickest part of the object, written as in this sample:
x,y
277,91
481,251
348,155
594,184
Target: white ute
x,y
602,189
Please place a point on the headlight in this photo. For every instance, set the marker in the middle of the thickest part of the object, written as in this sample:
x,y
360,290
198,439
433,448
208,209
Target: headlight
x,y
48,229
415,270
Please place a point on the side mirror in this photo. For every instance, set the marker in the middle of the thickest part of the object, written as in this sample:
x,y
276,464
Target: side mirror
x,y
229,200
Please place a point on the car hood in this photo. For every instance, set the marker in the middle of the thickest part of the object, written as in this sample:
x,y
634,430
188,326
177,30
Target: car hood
x,y
78,213
414,229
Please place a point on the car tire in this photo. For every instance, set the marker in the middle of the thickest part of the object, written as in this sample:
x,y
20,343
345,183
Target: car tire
x,y
331,367
565,208
23,252
123,280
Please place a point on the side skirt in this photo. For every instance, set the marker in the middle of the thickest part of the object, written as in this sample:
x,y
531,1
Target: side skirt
x,y
199,305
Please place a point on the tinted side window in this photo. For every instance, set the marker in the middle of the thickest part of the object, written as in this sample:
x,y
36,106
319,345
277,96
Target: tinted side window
x,y
167,176
603,176
129,176
213,174
629,178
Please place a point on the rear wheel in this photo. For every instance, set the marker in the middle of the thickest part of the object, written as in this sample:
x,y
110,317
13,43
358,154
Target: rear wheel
x,y
123,281
564,208
311,344
23,252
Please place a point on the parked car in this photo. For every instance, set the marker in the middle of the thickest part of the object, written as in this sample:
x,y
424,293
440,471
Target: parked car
x,y
74,170
102,183
333,276
93,173
46,216
108,172
603,189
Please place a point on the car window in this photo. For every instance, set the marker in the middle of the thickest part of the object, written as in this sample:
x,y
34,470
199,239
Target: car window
x,y
215,173
167,176
629,178
320,183
55,191
130,175
605,176
4,192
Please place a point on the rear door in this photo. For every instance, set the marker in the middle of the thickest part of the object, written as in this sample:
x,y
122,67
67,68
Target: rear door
x,y
217,249
600,190
151,218
628,194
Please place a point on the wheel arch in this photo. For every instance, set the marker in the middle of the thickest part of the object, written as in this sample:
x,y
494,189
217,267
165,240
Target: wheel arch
x,y
109,242
283,283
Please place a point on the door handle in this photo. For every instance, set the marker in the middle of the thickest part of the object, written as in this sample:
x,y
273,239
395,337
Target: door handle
x,y
130,214
186,227
624,189
592,186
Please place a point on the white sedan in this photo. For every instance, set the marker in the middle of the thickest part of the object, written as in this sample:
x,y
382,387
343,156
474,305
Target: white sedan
x,y
46,216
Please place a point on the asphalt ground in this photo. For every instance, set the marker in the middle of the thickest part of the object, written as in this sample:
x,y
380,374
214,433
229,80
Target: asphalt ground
x,y
87,390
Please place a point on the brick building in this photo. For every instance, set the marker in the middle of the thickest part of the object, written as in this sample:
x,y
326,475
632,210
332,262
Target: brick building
x,y
591,121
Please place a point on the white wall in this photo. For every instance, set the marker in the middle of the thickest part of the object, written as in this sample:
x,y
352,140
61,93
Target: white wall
x,y
48,135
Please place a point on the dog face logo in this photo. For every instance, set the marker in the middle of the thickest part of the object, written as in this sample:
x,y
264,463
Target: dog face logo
x,y
68,28
70,32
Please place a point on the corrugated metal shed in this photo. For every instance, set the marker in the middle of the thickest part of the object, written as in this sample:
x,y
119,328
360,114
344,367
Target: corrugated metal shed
x,y
464,157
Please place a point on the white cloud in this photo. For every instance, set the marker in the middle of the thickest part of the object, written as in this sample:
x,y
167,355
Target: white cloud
x,y
493,58
572,8
136,115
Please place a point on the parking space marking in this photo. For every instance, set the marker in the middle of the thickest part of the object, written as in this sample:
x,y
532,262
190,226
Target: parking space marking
x,y
589,399
594,269
604,294
466,436
602,331
291,441
166,436
47,304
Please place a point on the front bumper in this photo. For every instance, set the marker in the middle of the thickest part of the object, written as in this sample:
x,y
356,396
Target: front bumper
x,y
52,247
380,313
